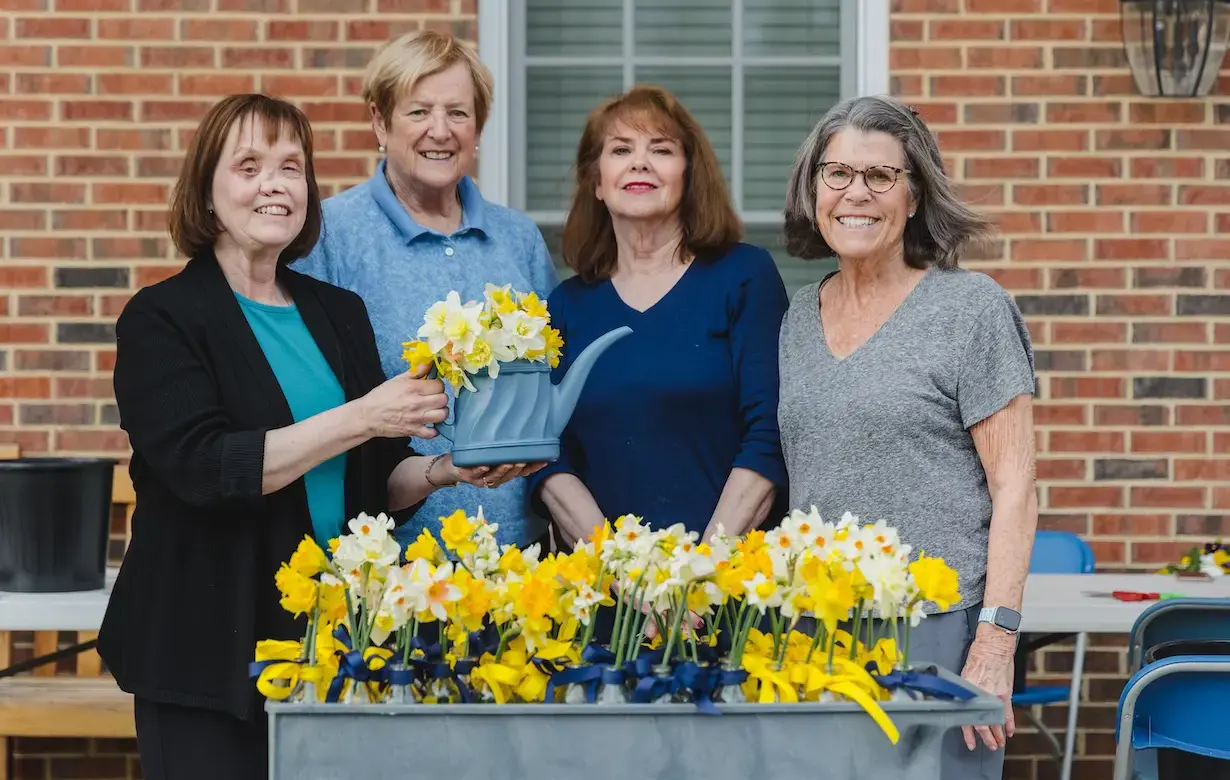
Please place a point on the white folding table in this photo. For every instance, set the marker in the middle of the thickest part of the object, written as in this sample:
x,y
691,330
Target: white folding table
x,y
1060,604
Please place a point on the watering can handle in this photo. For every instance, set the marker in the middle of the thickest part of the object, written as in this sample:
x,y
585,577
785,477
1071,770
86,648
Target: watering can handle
x,y
445,429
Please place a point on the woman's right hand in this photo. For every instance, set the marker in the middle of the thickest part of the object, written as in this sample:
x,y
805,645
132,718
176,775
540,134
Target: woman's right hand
x,y
404,406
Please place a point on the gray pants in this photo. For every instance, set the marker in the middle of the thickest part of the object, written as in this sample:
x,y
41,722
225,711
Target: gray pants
x,y
944,640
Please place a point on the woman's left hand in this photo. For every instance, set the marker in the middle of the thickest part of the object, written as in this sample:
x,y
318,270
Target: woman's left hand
x,y
990,667
489,476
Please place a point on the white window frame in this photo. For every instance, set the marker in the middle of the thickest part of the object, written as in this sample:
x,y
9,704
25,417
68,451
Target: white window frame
x,y
501,173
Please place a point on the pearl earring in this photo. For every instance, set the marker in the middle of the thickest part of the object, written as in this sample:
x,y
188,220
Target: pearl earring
x,y
911,215
380,148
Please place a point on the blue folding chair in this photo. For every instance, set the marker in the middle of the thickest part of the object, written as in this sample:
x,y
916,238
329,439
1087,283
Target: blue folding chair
x,y
1176,704
1174,619
1054,552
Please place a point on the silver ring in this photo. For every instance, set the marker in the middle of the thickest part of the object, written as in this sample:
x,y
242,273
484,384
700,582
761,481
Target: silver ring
x,y
486,482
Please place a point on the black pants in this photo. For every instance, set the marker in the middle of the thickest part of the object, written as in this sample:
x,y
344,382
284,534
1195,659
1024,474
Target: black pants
x,y
186,743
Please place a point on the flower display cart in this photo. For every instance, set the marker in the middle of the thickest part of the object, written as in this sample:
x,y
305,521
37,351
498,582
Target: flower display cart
x,y
795,741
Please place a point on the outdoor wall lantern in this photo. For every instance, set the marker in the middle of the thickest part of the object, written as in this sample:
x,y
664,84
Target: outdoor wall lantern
x,y
1175,47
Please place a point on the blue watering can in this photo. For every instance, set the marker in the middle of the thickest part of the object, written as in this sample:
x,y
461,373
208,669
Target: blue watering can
x,y
518,416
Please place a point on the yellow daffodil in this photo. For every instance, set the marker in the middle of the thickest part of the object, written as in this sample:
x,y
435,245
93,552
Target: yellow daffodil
x,y
417,354
457,533
298,591
425,547
935,580
308,559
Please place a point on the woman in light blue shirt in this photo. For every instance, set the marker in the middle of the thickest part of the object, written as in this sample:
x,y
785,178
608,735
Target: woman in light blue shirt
x,y
419,228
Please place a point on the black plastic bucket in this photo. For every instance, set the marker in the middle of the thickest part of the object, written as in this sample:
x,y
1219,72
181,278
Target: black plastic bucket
x,y
55,518
1178,764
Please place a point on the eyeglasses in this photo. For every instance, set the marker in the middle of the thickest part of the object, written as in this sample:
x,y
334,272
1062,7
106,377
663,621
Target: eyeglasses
x,y
879,178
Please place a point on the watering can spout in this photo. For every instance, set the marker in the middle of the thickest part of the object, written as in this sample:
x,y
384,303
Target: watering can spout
x,y
564,395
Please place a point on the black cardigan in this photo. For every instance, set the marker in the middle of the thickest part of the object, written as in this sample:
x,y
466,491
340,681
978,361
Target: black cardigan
x,y
196,396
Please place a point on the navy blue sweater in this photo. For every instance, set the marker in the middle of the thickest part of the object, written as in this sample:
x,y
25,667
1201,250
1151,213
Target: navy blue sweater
x,y
669,410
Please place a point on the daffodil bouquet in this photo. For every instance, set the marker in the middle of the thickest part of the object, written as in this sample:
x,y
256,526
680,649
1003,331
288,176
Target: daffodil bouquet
x,y
460,339
809,611
1208,562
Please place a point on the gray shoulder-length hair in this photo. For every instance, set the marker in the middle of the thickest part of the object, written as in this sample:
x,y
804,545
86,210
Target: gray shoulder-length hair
x,y
942,225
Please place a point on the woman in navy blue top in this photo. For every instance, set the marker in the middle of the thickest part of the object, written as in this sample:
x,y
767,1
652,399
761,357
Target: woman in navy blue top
x,y
677,422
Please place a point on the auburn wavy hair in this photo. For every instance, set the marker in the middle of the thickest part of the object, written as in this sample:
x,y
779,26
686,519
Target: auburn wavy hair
x,y
708,221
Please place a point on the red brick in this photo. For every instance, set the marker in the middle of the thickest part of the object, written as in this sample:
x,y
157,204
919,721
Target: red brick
x,y
1054,250
1050,194
1004,57
965,86
55,306
1087,387
24,387
1061,469
1084,222
1130,249
95,56
1168,113
300,86
1202,361
1158,552
1202,470
1066,497
215,84
90,441
218,30
1050,141
1134,416
1089,332
1167,168
1169,222
136,28
1133,525
1130,360
904,30
287,30
54,27
1087,278
1085,167
965,29
1050,84
1060,414
1168,441
1086,441
1200,414
1170,333
1100,112
1201,249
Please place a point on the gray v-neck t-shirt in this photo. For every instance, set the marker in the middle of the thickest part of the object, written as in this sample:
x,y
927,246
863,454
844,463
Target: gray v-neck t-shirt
x,y
884,432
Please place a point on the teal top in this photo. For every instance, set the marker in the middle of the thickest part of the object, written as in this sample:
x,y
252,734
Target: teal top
x,y
310,387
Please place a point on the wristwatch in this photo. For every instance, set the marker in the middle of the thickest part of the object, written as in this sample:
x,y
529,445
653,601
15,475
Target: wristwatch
x,y
1006,619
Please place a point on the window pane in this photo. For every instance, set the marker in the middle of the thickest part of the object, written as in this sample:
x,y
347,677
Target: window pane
x,y
705,92
795,273
557,102
568,28
780,107
688,29
791,27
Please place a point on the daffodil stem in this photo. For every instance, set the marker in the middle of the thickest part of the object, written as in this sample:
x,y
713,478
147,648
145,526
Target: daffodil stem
x,y
745,632
821,630
832,651
617,629
896,629
858,623
679,610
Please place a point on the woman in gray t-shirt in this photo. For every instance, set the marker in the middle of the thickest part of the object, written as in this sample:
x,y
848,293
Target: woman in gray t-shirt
x,y
906,387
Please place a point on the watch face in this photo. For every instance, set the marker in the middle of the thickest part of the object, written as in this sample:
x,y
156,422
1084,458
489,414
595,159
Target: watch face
x,y
1007,619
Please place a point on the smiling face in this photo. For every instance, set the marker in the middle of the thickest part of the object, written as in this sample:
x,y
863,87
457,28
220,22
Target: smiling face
x,y
260,188
858,222
640,173
430,137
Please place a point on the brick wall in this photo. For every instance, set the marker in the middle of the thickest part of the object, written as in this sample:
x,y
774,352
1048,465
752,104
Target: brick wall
x,y
1111,208
97,101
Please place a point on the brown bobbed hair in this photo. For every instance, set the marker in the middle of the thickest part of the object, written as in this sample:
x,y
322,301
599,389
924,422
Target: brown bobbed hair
x,y
194,228
709,224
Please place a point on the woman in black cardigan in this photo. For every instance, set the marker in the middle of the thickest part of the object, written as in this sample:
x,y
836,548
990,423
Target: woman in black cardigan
x,y
214,392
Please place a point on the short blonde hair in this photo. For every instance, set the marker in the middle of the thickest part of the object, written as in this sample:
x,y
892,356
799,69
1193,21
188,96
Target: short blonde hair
x,y
400,63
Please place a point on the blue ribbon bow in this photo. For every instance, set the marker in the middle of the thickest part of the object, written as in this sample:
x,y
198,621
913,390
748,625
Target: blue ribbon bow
x,y
924,681
351,664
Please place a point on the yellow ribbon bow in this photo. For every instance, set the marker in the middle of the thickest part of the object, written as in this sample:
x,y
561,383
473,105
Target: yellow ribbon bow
x,y
278,680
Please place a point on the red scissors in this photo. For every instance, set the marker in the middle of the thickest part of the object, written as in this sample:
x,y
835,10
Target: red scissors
x,y
1130,595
